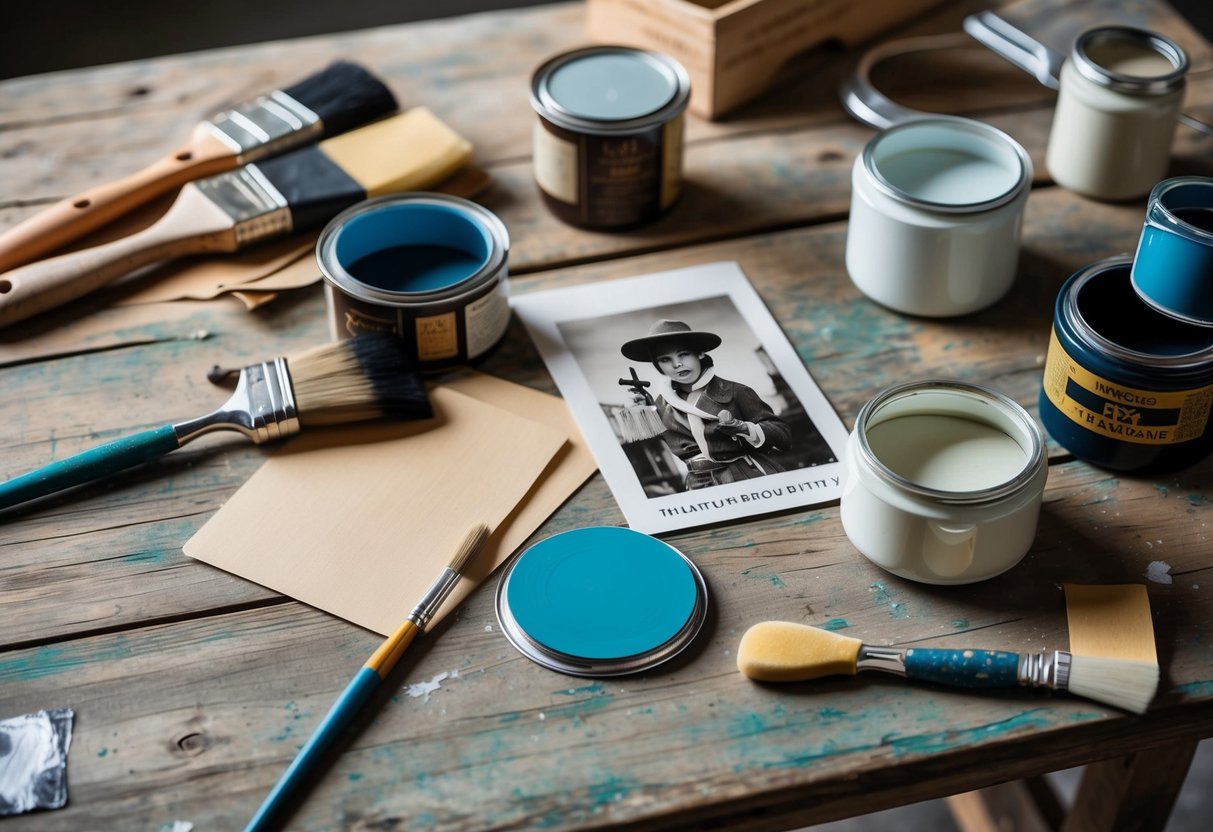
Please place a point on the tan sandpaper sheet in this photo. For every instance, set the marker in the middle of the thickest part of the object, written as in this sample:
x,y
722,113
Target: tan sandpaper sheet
x,y
1111,621
358,521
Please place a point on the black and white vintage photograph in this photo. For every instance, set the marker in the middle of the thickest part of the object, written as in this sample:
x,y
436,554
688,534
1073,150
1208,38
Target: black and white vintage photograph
x,y
695,404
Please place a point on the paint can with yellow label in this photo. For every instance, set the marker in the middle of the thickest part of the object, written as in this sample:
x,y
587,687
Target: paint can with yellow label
x,y
430,268
1125,387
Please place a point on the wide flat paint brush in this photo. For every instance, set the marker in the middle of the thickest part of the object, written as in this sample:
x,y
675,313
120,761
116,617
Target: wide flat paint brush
x,y
781,651
298,190
336,99
358,692
362,378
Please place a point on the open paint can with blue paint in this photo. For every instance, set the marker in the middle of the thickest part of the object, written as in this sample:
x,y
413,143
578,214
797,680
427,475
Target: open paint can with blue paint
x,y
601,601
429,268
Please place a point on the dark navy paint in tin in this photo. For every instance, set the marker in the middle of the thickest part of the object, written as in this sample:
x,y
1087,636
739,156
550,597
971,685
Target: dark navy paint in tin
x,y
430,268
1125,387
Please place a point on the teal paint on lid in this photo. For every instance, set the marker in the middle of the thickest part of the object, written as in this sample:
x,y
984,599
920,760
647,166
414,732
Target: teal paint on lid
x,y
611,86
602,593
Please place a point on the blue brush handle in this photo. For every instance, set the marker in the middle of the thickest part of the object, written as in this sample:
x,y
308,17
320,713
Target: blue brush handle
x,y
342,714
964,668
90,465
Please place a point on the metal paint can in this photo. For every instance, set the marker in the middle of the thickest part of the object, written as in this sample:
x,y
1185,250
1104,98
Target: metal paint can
x,y
1120,93
608,142
936,209
430,268
1125,387
1173,269
943,481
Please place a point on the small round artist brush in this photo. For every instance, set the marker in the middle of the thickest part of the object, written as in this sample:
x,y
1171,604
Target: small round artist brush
x,y
358,692
781,651
358,379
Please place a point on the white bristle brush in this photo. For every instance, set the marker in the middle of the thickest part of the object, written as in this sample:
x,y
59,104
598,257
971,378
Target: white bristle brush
x,y
781,651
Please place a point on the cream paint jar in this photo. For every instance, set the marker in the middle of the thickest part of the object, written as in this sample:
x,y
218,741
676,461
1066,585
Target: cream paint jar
x,y
1120,94
943,482
936,210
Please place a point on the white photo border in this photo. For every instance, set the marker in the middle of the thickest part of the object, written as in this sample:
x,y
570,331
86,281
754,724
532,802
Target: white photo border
x,y
541,313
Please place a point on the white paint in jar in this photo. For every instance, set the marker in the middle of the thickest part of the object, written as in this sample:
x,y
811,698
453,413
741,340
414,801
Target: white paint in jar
x,y
936,210
943,482
1121,90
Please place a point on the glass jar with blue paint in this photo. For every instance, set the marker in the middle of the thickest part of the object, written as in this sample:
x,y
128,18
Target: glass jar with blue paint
x,y
1125,387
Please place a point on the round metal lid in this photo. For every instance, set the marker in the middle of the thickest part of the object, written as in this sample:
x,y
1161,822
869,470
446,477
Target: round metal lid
x,y
601,601
1130,60
609,89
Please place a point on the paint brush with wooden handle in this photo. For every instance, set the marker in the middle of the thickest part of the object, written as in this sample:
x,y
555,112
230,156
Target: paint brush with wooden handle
x,y
362,378
329,102
260,201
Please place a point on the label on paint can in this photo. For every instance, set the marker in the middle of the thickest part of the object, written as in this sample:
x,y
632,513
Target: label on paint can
x,y
437,337
486,320
1145,417
555,165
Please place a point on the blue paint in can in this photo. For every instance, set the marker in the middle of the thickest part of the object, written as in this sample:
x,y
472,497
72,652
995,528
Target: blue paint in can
x,y
1125,387
1173,269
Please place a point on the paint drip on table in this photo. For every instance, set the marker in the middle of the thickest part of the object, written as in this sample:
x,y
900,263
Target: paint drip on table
x,y
33,760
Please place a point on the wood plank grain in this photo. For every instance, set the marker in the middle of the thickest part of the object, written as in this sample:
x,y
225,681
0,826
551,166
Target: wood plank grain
x,y
224,701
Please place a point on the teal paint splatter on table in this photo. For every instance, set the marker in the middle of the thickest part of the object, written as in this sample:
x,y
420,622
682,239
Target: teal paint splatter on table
x,y
595,689
1203,687
883,599
1162,489
960,623
760,573
836,624
1197,500
49,661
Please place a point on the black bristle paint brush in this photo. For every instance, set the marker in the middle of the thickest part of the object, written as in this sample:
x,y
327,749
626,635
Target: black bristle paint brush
x,y
783,651
292,192
362,378
338,98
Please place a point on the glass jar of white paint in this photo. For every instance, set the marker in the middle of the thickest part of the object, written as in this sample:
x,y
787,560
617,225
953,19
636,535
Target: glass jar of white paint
x,y
1120,94
936,210
943,481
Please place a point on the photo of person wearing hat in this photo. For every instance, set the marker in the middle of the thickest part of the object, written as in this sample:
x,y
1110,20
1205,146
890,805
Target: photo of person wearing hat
x,y
722,430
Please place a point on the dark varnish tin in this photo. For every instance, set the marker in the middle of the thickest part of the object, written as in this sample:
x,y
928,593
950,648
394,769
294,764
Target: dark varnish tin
x,y
608,145
1125,387
430,268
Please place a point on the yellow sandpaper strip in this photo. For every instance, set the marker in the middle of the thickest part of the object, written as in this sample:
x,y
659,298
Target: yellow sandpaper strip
x,y
1111,621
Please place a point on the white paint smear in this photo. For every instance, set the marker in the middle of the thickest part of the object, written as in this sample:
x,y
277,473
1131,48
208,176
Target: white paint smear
x,y
426,688
1159,572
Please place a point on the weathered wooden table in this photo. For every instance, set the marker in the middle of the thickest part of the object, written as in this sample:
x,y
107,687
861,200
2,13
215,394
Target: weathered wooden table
x,y
193,688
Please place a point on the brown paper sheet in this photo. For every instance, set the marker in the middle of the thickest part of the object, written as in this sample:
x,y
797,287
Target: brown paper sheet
x,y
361,529
1111,621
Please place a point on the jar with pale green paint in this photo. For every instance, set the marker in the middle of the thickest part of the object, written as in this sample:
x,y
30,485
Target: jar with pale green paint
x,y
1120,94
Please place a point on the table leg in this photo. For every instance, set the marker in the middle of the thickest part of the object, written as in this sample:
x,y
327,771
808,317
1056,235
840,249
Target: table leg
x,y
1028,805
1134,793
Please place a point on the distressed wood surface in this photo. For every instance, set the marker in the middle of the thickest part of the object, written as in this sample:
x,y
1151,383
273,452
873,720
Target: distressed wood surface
x,y
189,682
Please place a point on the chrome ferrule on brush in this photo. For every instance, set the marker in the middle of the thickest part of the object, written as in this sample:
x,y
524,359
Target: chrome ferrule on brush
x,y
262,407
433,598
258,209
267,126
1040,670
886,659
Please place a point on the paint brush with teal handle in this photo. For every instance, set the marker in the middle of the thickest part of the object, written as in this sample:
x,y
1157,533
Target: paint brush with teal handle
x,y
781,651
351,702
361,378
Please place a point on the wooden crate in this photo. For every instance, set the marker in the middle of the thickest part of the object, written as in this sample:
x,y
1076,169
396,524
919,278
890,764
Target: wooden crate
x,y
733,49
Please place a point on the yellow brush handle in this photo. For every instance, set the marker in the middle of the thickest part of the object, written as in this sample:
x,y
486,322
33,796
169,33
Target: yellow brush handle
x,y
390,651
70,219
192,225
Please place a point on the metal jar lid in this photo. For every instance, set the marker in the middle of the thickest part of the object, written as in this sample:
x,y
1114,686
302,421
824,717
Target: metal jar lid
x,y
495,237
952,398
959,132
607,90
1087,53
601,601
